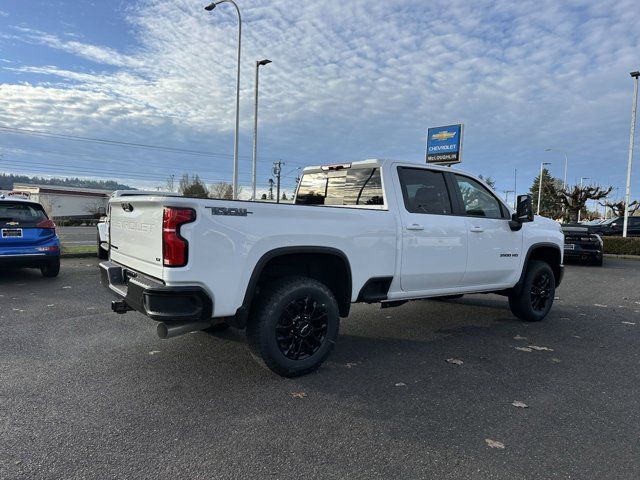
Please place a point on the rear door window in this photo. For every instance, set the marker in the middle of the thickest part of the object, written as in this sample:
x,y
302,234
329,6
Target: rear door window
x,y
424,191
22,213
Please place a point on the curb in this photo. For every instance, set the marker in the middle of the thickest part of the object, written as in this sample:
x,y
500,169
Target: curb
x,y
79,255
626,257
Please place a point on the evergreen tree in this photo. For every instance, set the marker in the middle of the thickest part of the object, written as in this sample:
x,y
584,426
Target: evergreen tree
x,y
550,204
193,187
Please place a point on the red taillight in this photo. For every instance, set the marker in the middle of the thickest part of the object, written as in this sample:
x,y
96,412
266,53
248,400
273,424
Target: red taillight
x,y
174,247
46,224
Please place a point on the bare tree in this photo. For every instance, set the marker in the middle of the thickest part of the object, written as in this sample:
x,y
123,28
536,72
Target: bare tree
x,y
96,208
223,190
575,200
618,207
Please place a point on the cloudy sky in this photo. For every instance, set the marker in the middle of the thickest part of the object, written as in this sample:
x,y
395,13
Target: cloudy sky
x,y
349,80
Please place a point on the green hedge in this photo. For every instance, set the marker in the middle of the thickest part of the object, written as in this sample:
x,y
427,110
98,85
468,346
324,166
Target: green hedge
x,y
622,246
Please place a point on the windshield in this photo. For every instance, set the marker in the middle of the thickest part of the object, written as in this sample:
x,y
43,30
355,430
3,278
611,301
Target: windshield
x,y
21,214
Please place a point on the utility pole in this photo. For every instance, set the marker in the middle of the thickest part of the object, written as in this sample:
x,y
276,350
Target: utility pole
x,y
271,189
277,169
506,195
171,177
627,198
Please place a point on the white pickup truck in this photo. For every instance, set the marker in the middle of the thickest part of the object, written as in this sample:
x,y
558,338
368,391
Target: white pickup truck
x,y
375,231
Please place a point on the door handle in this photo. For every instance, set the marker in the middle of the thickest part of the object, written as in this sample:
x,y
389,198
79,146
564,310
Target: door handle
x,y
476,229
415,227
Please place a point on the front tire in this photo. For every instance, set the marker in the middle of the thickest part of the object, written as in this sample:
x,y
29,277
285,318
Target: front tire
x,y
52,269
294,326
535,297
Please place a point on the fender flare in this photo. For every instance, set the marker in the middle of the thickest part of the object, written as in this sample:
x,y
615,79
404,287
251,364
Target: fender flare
x,y
531,249
240,318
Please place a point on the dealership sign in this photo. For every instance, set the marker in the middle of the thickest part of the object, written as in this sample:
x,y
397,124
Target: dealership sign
x,y
444,144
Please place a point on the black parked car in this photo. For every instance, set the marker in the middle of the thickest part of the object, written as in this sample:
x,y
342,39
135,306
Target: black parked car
x,y
581,245
614,226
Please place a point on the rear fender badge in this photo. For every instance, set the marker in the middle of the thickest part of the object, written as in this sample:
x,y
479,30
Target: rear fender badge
x,y
230,212
127,207
12,224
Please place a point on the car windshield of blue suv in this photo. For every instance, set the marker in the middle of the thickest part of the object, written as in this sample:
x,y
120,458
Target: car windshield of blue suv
x,y
21,213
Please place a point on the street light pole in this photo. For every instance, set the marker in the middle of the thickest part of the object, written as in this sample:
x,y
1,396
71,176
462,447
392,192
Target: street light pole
x,y
259,63
209,8
542,164
634,108
566,162
580,209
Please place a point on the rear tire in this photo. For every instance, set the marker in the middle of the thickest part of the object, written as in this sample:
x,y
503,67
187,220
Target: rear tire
x,y
535,297
597,262
52,269
294,326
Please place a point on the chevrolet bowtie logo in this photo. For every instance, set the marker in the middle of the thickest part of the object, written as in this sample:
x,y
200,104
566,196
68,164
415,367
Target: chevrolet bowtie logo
x,y
443,135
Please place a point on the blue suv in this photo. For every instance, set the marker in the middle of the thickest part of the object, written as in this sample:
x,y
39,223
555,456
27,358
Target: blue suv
x,y
28,237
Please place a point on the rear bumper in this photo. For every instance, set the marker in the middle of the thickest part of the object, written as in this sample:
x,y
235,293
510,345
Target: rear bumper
x,y
153,298
31,255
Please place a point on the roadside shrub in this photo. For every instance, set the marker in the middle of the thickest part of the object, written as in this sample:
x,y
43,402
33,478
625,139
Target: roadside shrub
x,y
622,246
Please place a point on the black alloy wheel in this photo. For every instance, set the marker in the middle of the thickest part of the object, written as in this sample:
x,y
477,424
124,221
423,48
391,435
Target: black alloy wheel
x,y
302,328
540,291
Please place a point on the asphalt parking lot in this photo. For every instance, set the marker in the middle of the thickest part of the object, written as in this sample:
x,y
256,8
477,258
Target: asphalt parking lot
x,y
85,393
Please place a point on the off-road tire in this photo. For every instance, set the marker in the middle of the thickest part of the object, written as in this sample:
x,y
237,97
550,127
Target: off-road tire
x,y
534,298
51,269
278,304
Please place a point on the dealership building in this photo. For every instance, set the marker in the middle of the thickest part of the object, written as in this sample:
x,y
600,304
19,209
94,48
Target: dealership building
x,y
67,202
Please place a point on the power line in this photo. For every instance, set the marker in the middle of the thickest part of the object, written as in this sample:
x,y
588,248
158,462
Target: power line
x,y
102,141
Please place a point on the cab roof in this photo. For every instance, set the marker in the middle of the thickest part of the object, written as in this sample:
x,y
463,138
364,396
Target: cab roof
x,y
377,162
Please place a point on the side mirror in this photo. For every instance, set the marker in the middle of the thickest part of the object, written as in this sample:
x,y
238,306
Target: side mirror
x,y
524,212
524,209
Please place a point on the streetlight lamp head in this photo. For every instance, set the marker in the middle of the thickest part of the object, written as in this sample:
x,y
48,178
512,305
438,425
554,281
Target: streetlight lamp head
x,y
210,7
548,149
635,74
264,62
546,163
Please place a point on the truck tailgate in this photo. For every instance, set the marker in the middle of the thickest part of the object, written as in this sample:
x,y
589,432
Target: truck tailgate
x,y
136,233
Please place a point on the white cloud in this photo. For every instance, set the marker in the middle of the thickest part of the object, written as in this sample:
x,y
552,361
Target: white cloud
x,y
356,79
